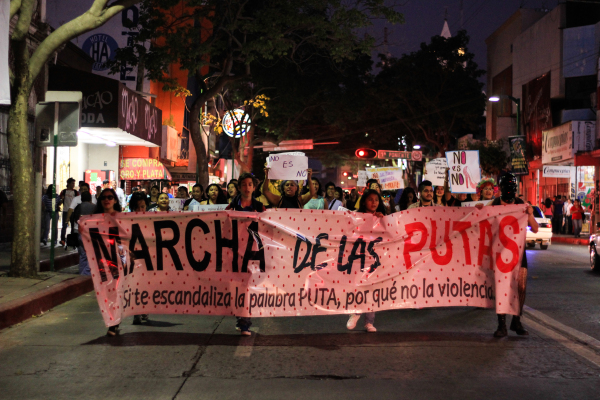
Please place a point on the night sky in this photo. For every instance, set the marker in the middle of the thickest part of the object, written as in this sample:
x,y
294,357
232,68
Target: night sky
x,y
425,18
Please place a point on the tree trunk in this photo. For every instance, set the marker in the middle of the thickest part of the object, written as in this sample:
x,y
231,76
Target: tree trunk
x,y
21,164
196,134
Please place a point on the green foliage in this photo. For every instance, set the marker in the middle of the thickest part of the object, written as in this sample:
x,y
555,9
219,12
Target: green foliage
x,y
433,94
492,157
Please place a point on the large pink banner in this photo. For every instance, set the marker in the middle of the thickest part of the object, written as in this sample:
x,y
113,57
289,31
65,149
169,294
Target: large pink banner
x,y
304,262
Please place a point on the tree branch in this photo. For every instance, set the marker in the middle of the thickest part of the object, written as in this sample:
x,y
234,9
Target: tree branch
x,y
98,14
15,5
25,14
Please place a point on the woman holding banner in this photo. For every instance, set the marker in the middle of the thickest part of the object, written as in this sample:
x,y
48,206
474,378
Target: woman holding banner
x,y
290,197
370,203
108,203
215,195
245,201
508,189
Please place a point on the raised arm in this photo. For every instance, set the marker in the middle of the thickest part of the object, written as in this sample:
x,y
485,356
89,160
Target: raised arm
x,y
312,190
273,198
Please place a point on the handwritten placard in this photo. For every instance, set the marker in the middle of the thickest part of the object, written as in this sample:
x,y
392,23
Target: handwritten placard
x,y
207,207
176,204
287,166
464,171
362,178
389,178
435,171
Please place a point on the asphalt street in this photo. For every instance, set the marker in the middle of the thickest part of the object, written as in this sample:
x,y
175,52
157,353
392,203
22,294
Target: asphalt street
x,y
446,353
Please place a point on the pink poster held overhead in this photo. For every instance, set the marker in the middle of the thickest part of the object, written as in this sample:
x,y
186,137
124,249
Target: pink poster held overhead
x,y
304,262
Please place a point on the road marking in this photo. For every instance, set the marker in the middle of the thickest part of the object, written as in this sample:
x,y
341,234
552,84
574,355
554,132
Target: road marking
x,y
574,340
246,349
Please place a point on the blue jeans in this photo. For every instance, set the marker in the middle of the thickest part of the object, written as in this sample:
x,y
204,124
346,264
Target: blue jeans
x,y
48,220
84,266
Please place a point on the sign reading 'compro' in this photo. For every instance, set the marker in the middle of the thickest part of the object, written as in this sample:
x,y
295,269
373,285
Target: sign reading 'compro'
x,y
557,171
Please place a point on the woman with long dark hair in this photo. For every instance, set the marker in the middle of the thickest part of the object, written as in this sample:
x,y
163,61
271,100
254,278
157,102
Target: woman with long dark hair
x,y
232,190
316,202
407,198
290,195
154,192
370,203
215,195
108,203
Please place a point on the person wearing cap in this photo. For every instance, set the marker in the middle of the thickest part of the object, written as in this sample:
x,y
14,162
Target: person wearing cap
x,y
425,196
508,190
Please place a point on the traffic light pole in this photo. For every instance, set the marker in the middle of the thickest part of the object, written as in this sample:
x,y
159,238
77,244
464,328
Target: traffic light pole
x,y
54,214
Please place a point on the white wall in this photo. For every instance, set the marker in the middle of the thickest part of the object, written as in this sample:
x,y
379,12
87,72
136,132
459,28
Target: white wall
x,y
99,154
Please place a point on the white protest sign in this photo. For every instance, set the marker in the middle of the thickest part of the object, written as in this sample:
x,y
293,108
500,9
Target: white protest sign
x,y
207,207
464,173
362,178
291,165
176,204
474,203
435,171
389,178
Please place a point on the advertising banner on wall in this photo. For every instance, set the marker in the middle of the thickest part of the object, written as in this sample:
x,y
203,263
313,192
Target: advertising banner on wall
x,y
101,44
557,171
110,104
557,144
537,114
140,169
304,262
518,161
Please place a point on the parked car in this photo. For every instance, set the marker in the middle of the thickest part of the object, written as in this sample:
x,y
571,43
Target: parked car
x,y
544,233
593,246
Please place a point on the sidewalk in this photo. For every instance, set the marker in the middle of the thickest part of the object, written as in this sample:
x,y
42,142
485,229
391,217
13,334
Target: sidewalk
x,y
22,298
583,240
62,258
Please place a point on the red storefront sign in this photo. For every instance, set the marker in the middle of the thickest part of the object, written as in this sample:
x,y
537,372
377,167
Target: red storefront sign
x,y
140,169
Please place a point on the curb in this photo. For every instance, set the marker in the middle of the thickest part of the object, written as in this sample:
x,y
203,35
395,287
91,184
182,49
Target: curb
x,y
60,262
21,309
571,240
567,331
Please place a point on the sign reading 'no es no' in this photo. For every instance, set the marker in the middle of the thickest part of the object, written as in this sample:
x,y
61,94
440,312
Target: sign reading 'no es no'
x,y
287,166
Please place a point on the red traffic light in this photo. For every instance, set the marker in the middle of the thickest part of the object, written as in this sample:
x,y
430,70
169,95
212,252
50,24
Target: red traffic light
x,y
345,174
366,153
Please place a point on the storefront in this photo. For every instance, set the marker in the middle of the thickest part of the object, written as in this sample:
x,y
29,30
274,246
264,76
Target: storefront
x,y
565,168
116,124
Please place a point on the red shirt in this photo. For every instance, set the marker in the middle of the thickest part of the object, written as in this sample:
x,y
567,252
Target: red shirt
x,y
576,212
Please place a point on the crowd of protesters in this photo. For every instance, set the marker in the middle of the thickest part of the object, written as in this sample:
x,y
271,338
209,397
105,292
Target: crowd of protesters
x,y
248,194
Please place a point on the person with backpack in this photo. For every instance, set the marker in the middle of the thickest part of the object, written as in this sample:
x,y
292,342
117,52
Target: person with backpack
x,y
66,196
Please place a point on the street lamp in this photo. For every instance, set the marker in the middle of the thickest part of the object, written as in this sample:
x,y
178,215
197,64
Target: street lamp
x,y
497,98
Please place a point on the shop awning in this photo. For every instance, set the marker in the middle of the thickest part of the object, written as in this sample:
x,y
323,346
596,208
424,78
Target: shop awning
x,y
143,169
112,114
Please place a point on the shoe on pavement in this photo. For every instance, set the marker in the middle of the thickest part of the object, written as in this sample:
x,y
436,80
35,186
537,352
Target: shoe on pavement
x,y
370,328
244,331
351,324
137,320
